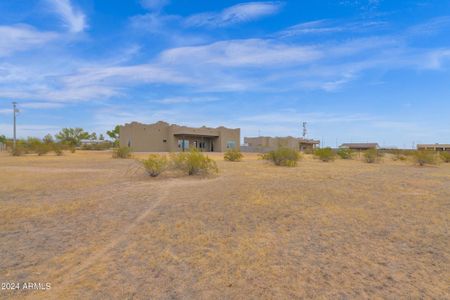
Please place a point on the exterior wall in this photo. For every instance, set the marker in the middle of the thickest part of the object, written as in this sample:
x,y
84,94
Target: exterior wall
x,y
360,147
435,147
264,144
143,138
228,135
163,137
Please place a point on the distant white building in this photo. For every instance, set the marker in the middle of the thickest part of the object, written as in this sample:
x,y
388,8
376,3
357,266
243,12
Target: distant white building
x,y
92,142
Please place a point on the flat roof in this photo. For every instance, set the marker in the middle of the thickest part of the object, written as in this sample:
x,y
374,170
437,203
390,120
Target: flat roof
x,y
194,134
360,145
434,145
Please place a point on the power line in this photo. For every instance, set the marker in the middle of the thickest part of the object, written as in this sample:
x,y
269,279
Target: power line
x,y
15,111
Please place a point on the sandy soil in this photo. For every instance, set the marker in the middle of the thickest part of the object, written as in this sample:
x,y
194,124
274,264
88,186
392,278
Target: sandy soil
x,y
99,228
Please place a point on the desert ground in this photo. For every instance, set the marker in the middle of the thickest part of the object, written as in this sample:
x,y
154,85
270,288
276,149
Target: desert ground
x,y
99,228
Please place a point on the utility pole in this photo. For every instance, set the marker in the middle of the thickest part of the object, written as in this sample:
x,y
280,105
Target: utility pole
x,y
15,111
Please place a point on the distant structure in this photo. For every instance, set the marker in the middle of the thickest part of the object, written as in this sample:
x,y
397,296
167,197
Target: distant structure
x,y
165,137
305,131
360,146
266,143
92,142
2,147
434,147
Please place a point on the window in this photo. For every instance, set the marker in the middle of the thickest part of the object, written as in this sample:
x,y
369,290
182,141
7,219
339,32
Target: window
x,y
183,144
231,144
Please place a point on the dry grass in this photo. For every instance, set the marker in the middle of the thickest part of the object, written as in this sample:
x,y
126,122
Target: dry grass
x,y
95,227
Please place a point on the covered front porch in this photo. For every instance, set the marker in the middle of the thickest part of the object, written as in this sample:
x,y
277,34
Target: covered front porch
x,y
203,143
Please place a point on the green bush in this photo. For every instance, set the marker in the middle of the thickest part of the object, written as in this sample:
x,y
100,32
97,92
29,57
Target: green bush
x,y
425,157
233,155
345,153
19,150
283,157
194,163
445,156
371,156
42,148
155,164
325,154
122,152
58,149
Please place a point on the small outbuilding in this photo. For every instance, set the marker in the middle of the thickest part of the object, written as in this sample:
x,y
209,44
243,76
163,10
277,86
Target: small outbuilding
x,y
360,146
267,143
434,147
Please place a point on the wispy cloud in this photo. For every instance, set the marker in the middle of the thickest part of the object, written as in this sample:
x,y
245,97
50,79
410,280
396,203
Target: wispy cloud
x,y
22,37
241,53
239,13
431,27
155,5
320,27
41,105
5,111
185,100
27,130
73,18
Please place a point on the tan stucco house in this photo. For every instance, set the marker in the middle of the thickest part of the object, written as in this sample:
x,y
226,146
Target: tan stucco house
x,y
267,143
165,137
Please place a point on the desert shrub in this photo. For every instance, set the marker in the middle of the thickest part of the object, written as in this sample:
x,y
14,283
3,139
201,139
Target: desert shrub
x,y
325,154
371,156
42,148
32,145
233,155
445,156
122,152
19,150
57,148
194,163
399,155
283,157
345,153
425,157
155,164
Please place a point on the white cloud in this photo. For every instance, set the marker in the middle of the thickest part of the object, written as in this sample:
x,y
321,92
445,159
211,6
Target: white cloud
x,y
325,27
181,100
436,59
73,18
6,111
431,27
144,73
240,53
29,130
22,37
239,13
41,105
154,4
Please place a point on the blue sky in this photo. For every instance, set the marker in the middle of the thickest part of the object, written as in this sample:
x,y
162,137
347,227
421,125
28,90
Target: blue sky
x,y
355,70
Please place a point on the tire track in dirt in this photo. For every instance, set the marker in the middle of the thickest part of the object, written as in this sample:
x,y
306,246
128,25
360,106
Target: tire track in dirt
x,y
69,274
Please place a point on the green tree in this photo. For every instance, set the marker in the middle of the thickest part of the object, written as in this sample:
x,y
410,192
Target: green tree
x,y
48,139
72,136
114,134
93,136
2,139
101,137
